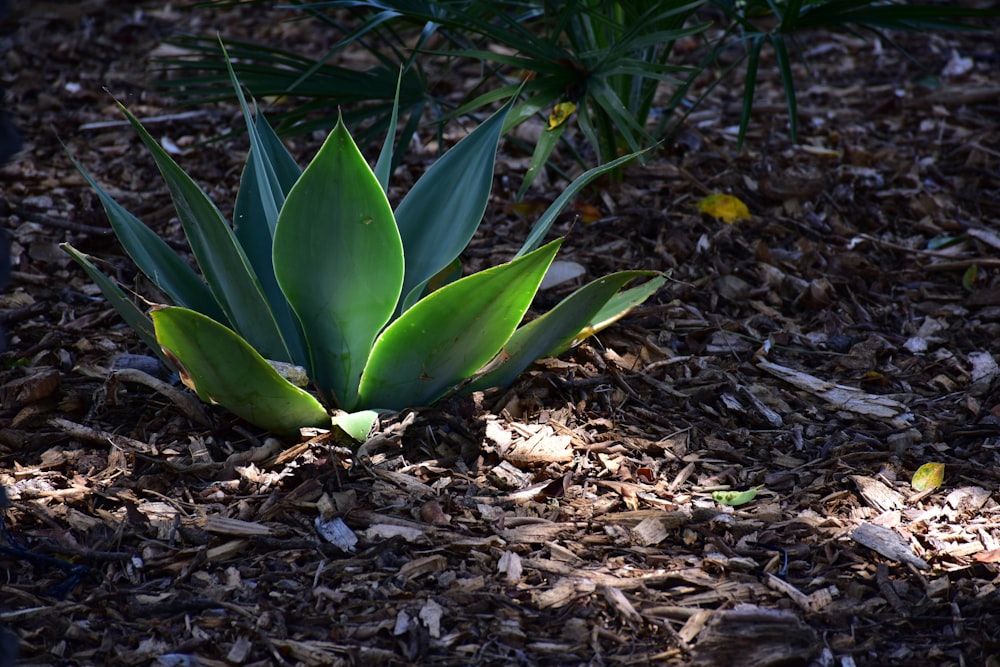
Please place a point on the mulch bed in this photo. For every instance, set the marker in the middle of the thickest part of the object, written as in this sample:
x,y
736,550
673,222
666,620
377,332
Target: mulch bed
x,y
820,352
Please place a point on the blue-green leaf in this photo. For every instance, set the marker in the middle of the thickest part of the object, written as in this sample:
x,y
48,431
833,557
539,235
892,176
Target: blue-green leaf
x,y
155,258
383,167
219,255
541,228
617,307
254,230
442,211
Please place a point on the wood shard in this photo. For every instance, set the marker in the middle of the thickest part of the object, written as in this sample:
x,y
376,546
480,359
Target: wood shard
x,y
750,636
887,542
878,494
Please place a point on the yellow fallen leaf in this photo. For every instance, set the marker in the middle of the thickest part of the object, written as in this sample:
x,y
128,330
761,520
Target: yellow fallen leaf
x,y
724,207
560,114
928,476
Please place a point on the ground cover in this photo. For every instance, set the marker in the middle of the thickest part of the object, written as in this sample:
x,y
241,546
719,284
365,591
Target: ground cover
x,y
822,350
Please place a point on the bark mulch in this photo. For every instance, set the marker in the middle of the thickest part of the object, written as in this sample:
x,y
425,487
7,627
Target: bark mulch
x,y
820,352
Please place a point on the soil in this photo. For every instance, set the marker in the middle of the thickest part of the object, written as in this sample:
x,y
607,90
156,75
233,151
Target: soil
x,y
819,352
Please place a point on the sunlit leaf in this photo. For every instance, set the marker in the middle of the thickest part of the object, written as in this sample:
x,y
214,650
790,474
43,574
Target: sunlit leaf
x,y
560,114
451,333
726,208
358,425
617,307
339,261
224,369
928,476
735,497
557,329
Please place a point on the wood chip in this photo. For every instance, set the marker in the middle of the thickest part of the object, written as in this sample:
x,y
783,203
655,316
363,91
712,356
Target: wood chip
x,y
751,636
889,543
226,526
877,494
841,396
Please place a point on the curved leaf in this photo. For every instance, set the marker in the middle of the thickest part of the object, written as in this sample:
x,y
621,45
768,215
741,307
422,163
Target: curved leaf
x,y
254,227
225,369
617,307
358,425
928,476
154,257
133,316
543,224
451,333
219,255
442,211
557,328
339,261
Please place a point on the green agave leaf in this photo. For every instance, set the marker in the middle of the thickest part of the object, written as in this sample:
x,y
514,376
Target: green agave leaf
x,y
383,166
251,217
270,193
133,316
154,257
358,424
339,260
450,334
219,255
442,211
541,227
617,307
557,328
225,369
254,228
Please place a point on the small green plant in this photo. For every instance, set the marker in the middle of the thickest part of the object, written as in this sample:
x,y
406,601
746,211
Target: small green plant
x,y
603,59
602,62
320,281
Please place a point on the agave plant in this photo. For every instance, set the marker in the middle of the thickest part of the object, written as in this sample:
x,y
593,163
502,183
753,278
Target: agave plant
x,y
319,281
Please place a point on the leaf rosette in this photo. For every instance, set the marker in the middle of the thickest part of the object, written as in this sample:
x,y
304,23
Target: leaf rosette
x,y
319,281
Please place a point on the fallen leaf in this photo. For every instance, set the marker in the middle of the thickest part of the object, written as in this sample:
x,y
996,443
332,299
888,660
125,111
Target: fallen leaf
x,y
969,277
735,497
560,114
588,212
724,207
928,476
